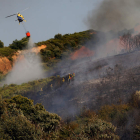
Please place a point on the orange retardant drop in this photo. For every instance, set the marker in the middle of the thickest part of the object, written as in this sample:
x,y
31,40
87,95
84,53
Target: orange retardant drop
x,y
28,34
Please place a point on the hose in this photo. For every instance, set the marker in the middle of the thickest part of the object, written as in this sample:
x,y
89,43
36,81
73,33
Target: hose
x,y
24,27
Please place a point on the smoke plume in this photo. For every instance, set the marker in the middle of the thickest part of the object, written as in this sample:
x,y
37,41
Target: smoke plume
x,y
114,15
27,68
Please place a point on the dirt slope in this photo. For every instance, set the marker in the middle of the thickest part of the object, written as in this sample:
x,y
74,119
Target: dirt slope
x,y
6,65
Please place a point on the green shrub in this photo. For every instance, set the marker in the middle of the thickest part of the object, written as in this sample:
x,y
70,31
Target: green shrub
x,y
14,125
58,36
48,53
10,58
73,43
114,113
37,114
136,132
6,51
8,91
57,52
99,129
23,103
135,99
64,43
89,126
51,47
67,45
1,44
19,44
43,52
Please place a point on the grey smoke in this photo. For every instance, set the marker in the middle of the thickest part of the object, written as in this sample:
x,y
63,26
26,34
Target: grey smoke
x,y
27,69
114,15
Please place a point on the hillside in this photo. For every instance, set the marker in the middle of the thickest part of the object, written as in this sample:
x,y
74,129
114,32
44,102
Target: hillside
x,y
55,48
6,63
100,81
88,86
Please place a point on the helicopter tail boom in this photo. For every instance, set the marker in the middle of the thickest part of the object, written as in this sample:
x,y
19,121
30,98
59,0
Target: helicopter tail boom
x,y
10,15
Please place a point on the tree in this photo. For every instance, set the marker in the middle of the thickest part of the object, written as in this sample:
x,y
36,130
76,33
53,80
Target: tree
x,y
14,125
58,36
89,127
36,114
1,44
19,44
57,52
136,133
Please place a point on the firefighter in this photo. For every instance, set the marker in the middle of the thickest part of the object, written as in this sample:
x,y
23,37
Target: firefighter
x,y
40,91
73,75
69,78
51,87
63,80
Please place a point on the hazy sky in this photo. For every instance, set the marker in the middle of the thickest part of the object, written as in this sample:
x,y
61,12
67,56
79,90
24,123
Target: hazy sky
x,y
45,18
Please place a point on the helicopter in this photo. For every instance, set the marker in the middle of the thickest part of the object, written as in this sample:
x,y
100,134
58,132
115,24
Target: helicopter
x,y
20,17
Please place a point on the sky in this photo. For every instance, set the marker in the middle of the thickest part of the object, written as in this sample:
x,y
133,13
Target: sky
x,y
45,18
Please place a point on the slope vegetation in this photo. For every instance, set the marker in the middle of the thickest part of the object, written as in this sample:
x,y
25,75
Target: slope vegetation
x,y
95,98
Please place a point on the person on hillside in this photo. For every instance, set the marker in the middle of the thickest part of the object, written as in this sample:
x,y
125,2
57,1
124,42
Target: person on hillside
x,y
51,87
63,80
73,76
69,78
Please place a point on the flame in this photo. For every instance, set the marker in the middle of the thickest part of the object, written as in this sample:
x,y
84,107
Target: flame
x,y
81,53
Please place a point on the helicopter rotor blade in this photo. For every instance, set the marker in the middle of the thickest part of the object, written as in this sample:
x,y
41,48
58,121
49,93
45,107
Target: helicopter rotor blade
x,y
24,9
10,15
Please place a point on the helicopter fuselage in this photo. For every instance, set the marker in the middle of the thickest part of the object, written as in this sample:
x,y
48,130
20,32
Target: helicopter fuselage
x,y
20,18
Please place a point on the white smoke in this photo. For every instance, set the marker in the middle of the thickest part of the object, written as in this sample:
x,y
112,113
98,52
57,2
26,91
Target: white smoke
x,y
26,69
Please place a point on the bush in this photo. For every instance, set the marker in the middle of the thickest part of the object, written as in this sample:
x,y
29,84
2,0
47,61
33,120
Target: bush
x,y
67,45
136,133
48,53
19,44
10,58
89,126
99,129
51,47
14,125
135,99
57,52
58,36
43,52
1,44
59,44
114,113
6,51
73,43
36,114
